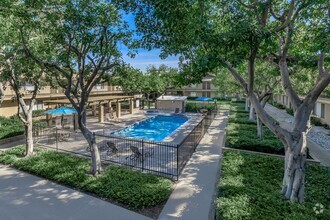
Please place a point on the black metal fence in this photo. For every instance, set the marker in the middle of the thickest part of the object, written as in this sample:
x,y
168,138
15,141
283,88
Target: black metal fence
x,y
161,158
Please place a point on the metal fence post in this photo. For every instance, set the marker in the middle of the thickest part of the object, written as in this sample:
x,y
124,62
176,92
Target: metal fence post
x,y
142,155
56,139
177,162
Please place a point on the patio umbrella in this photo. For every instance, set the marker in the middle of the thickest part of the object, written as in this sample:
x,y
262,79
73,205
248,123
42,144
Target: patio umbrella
x,y
61,111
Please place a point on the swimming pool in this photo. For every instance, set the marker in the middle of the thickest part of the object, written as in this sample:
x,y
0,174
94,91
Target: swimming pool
x,y
156,128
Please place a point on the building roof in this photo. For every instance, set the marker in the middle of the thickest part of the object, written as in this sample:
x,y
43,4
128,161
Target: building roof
x,y
172,98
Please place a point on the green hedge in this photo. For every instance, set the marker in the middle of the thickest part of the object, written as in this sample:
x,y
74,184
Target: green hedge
x,y
10,127
250,186
121,184
194,107
242,133
13,126
37,113
244,136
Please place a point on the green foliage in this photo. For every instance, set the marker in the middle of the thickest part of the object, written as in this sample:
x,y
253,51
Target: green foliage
x,y
243,194
10,127
123,185
317,122
244,136
37,113
242,133
195,106
13,126
277,105
289,111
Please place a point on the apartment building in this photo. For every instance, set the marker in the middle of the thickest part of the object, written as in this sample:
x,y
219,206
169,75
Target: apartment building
x,y
321,108
205,88
9,106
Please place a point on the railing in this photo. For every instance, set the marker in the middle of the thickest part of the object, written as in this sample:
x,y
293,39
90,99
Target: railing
x,y
188,146
148,156
161,158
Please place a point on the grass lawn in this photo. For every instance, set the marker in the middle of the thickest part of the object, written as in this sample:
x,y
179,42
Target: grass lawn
x,y
132,188
250,186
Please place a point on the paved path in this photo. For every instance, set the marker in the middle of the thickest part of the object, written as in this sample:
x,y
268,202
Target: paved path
x,y
195,192
27,197
318,138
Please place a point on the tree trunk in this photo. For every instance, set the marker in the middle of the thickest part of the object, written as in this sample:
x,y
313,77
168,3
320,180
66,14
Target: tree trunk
x,y
293,187
29,135
95,154
251,114
2,93
260,128
246,104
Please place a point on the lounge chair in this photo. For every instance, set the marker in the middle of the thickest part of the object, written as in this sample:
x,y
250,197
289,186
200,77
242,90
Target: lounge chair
x,y
112,149
137,155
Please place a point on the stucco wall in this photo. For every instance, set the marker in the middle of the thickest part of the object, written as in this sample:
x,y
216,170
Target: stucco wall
x,y
171,105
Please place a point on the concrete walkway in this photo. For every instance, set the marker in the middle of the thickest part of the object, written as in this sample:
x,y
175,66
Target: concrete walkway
x,y
316,150
27,197
195,192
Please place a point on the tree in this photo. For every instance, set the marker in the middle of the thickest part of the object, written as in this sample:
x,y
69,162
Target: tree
x,y
128,78
226,33
19,71
226,85
82,39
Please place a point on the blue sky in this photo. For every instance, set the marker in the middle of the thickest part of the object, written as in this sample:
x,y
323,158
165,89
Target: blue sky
x,y
145,58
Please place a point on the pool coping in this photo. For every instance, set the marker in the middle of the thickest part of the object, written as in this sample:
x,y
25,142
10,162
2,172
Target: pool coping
x,y
179,134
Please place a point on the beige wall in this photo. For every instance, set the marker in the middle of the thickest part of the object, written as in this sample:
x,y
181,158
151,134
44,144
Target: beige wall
x,y
171,105
8,108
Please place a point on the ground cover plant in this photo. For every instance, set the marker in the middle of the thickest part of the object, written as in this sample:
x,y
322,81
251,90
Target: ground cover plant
x,y
132,188
249,184
10,127
13,126
242,133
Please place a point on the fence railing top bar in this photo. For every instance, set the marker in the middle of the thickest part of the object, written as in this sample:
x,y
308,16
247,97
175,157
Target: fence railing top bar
x,y
167,144
204,118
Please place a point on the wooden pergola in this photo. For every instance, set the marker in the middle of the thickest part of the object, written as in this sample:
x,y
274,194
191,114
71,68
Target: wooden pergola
x,y
100,102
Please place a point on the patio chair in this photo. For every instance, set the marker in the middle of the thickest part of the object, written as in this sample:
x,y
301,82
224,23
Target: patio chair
x,y
112,149
177,110
137,155
109,116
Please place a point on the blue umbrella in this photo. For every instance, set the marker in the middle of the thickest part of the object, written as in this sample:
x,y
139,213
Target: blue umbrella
x,y
61,111
203,99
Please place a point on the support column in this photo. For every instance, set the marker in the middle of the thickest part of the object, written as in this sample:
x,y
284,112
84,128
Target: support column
x,y
110,108
131,106
118,109
94,110
101,113
49,119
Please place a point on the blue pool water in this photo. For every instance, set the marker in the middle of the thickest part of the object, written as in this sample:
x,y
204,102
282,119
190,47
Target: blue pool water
x,y
156,128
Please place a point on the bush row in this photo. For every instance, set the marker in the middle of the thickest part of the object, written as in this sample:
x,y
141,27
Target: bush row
x,y
121,184
242,133
250,189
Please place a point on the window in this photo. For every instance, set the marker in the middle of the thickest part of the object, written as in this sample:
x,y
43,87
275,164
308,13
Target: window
x,y
29,87
193,94
320,110
99,86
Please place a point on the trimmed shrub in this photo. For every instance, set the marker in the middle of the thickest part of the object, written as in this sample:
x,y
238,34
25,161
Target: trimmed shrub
x,y
121,184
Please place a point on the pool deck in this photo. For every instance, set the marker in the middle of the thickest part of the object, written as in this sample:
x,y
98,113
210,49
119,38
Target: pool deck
x,y
195,192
